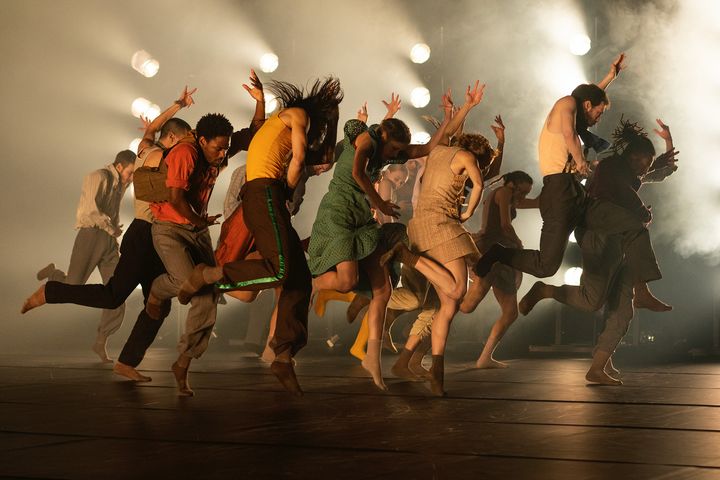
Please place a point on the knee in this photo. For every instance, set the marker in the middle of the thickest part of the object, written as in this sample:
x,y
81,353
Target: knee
x,y
346,283
383,293
511,313
458,292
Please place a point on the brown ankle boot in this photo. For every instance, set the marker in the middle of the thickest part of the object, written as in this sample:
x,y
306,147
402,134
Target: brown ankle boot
x,y
437,375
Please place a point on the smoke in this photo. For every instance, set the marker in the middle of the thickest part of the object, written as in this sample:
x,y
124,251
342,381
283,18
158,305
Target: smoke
x,y
673,75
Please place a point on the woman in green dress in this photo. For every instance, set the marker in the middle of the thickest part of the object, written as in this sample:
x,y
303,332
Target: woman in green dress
x,y
346,240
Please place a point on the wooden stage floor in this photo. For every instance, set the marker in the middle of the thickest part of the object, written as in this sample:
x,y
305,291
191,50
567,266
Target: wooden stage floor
x,y
66,417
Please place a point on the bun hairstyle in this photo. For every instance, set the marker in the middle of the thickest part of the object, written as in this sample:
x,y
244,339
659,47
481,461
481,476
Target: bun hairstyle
x,y
630,138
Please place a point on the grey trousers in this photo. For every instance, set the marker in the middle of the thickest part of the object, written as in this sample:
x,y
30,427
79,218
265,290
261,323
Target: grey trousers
x,y
415,293
619,311
614,236
93,248
180,248
562,202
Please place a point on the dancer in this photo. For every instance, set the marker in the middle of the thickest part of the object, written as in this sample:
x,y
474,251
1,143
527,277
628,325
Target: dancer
x,y
96,246
499,210
562,197
436,229
345,237
306,127
615,243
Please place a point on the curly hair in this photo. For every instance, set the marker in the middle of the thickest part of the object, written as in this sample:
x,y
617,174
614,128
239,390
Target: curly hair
x,y
630,138
516,177
478,146
213,125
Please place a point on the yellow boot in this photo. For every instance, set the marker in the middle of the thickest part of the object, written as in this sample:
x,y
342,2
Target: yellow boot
x,y
358,348
325,296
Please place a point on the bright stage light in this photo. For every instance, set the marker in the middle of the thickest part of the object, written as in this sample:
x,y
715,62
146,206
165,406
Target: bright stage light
x,y
135,144
572,238
152,112
271,103
139,106
143,63
580,44
420,97
572,276
419,138
419,53
269,62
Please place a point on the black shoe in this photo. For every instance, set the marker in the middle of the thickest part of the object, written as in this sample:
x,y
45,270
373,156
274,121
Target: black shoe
x,y
491,257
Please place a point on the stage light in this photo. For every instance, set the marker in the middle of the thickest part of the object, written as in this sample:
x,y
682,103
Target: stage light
x,y
572,238
271,103
580,44
419,138
419,53
269,62
143,63
134,145
139,106
572,276
420,97
152,112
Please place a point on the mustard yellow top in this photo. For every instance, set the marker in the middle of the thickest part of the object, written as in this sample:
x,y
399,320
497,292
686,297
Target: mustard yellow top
x,y
268,154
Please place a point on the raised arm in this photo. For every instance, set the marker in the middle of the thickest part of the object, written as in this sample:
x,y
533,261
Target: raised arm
x,y
499,129
297,120
566,109
393,106
153,127
665,164
255,89
615,67
363,150
439,137
467,160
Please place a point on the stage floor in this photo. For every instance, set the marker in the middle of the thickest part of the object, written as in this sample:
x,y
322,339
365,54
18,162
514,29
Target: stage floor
x,y
67,417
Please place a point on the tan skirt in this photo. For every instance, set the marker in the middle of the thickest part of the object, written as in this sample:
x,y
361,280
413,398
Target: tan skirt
x,y
458,247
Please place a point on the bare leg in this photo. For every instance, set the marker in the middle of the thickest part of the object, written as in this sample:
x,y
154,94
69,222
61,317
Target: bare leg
x,y
509,313
437,274
381,290
268,354
597,374
343,280
180,371
476,293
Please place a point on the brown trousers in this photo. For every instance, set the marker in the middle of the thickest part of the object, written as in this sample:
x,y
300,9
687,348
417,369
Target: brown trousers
x,y
283,263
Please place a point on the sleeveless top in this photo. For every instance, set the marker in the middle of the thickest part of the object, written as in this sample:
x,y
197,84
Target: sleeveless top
x,y
492,231
437,217
142,208
552,151
268,154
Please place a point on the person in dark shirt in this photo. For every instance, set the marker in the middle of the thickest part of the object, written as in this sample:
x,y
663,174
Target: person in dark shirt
x,y
618,259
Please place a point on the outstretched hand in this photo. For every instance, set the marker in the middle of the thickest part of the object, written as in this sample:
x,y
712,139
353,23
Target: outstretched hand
x,y
362,113
255,89
617,65
474,96
664,131
499,129
186,99
393,106
145,121
446,103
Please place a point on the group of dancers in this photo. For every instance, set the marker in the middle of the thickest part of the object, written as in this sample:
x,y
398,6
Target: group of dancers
x,y
357,249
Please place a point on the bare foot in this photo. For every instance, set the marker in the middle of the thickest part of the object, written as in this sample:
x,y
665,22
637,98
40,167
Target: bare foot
x,y
181,380
129,372
599,376
490,363
610,369
286,374
532,297
645,299
373,368
35,300
99,348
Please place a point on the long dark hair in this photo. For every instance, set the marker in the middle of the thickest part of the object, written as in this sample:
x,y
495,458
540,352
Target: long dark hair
x,y
320,103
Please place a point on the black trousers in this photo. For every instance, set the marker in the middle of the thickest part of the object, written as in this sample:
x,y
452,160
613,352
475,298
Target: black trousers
x,y
139,264
283,263
562,204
